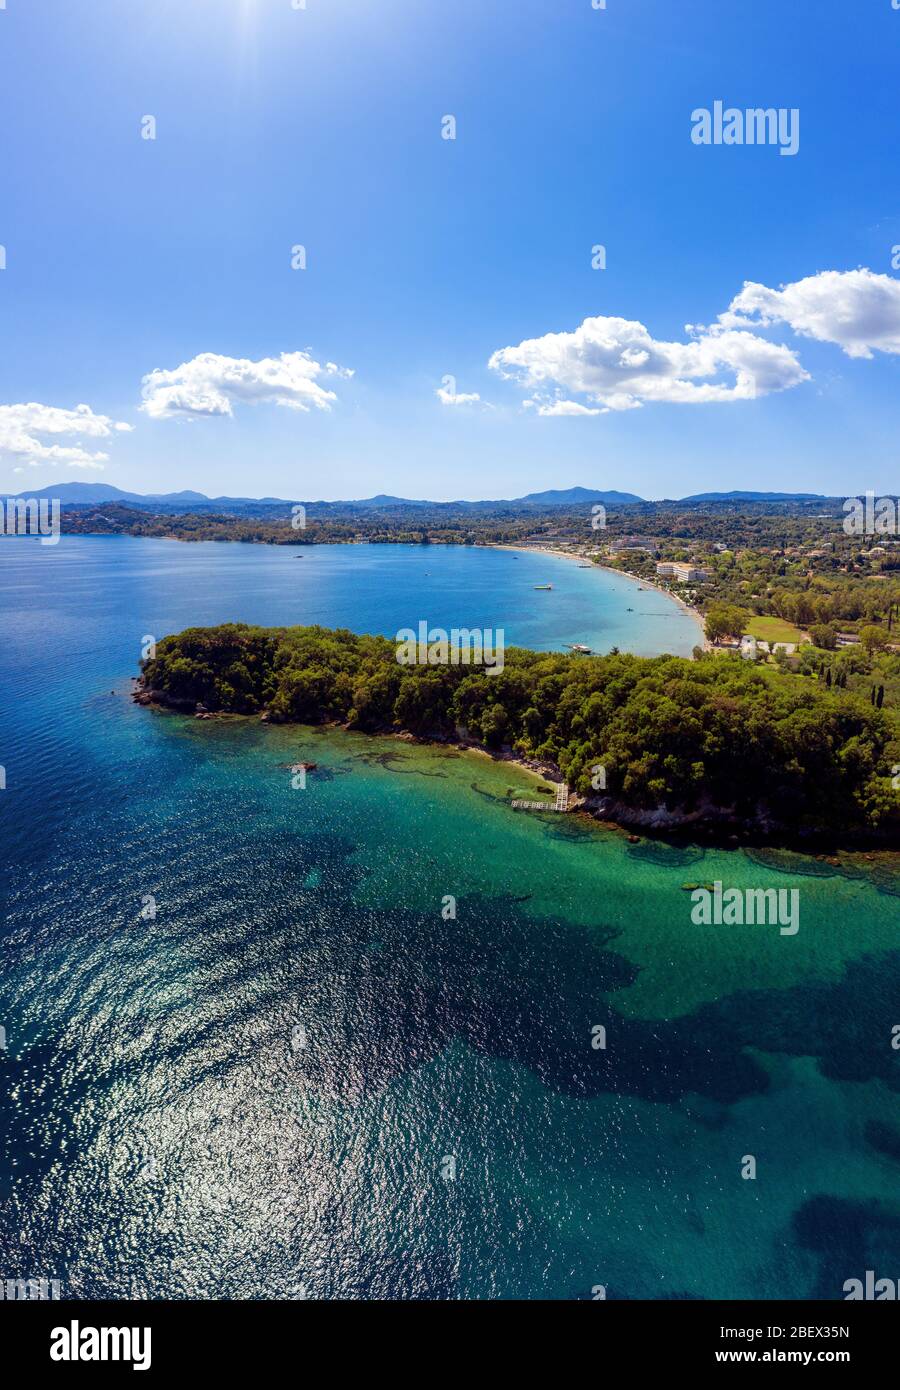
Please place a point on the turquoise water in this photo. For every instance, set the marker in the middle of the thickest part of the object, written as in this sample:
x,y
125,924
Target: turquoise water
x,y
300,1077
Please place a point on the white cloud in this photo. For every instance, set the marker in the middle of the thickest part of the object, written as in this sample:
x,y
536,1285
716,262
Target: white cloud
x,y
456,397
564,407
23,429
210,384
856,309
617,365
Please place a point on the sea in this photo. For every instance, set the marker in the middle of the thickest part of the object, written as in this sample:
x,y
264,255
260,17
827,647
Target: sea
x,y
372,1033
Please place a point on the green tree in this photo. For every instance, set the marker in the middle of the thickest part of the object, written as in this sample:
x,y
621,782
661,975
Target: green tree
x,y
874,638
823,636
726,620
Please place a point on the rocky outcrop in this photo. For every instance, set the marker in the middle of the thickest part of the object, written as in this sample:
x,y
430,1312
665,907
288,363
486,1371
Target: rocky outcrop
x,y
142,696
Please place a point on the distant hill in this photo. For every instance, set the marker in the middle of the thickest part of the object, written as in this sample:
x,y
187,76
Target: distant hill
x,y
381,499
557,498
755,497
186,496
86,492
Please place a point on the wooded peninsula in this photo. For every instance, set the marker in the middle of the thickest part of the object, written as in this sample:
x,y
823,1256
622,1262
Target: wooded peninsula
x,y
717,742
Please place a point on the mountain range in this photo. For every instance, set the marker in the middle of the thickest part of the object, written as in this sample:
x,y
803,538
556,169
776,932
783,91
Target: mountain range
x,y
86,494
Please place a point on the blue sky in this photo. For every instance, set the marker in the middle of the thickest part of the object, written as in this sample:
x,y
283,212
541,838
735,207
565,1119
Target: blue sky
x,y
278,127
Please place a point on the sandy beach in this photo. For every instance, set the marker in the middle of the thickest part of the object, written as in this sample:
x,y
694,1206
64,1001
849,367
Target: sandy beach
x,y
624,574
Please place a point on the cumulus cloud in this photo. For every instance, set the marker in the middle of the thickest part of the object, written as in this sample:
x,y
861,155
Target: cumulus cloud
x,y
456,397
24,429
856,309
617,365
211,384
564,407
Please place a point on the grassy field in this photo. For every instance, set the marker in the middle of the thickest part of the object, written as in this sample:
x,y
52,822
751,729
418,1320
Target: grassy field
x,y
773,630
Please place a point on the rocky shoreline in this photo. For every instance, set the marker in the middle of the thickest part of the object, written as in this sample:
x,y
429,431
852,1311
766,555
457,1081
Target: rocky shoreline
x,y
708,823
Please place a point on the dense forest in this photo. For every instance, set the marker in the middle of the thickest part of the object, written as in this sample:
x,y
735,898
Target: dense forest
x,y
782,749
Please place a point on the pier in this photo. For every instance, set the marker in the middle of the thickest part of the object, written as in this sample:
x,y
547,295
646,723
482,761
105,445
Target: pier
x,y
561,803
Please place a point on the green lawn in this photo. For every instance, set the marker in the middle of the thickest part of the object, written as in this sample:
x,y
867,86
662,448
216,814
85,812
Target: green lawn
x,y
773,630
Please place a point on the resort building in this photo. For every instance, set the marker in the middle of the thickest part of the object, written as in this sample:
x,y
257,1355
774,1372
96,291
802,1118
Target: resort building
x,y
680,571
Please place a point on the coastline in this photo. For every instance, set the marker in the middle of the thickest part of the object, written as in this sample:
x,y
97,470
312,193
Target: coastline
x,y
708,824
688,608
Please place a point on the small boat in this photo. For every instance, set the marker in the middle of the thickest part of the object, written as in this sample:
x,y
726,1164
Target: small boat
x,y
585,567
629,610
580,648
543,586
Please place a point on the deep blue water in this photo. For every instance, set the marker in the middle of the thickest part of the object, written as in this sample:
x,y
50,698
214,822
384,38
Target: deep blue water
x,y
247,1055
164,585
